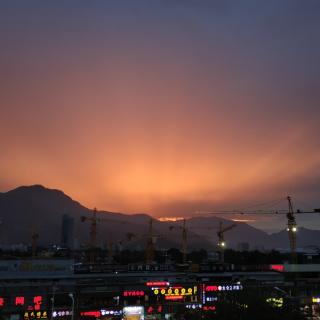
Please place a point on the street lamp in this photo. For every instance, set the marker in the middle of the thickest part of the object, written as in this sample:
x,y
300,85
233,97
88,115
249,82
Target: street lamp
x,y
52,300
72,298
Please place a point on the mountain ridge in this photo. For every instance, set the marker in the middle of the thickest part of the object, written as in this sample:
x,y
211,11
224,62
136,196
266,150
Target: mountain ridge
x,y
28,208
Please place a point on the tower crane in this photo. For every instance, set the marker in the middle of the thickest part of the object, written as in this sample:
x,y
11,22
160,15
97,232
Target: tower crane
x,y
220,234
221,242
150,243
291,221
151,240
184,239
292,231
93,231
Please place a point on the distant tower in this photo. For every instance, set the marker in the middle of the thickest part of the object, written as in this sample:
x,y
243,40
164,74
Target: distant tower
x,y
67,234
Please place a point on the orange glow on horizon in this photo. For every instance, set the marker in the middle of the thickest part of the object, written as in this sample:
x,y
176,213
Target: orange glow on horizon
x,y
169,121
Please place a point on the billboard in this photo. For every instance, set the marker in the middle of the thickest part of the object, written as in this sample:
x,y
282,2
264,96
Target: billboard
x,y
133,313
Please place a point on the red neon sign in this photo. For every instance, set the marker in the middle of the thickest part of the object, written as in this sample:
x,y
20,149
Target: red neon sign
x,y
37,300
1,302
277,267
208,308
157,283
152,309
96,314
211,288
19,301
133,293
173,297
228,287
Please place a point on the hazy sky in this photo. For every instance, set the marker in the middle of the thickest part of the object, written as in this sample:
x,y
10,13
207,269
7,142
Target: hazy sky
x,y
165,107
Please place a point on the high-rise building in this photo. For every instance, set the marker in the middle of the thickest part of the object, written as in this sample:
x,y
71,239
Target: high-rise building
x,y
67,234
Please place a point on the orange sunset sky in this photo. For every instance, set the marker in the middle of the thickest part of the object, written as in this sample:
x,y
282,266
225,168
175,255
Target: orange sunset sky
x,y
164,107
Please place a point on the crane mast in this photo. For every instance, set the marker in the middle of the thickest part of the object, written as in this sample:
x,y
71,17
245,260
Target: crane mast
x,y
184,242
150,243
292,231
221,242
93,234
184,239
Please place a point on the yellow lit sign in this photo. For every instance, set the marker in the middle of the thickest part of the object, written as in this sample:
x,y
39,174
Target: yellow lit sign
x,y
29,315
176,291
275,302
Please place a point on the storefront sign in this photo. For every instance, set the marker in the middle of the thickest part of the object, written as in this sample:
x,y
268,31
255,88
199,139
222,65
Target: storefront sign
x,y
275,302
158,284
61,313
233,287
28,315
133,293
176,291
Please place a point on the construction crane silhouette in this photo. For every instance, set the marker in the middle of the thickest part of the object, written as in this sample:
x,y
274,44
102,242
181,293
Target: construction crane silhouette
x,y
221,242
292,227
93,231
184,230
220,234
151,240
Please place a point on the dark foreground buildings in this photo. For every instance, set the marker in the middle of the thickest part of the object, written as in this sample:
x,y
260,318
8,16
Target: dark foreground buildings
x,y
58,289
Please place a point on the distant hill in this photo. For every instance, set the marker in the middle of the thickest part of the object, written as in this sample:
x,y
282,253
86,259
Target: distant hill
x,y
29,208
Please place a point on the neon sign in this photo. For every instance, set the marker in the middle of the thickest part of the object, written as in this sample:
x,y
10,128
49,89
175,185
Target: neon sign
x,y
209,308
111,312
173,297
37,300
133,312
19,301
276,302
175,291
154,309
315,300
35,315
158,284
277,267
234,287
61,313
1,302
133,293
194,306
211,299
96,314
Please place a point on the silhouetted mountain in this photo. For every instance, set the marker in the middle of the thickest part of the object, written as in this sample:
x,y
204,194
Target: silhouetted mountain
x,y
36,208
